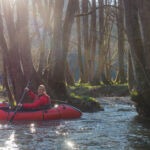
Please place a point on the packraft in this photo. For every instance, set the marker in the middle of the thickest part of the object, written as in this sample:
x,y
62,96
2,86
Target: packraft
x,y
55,113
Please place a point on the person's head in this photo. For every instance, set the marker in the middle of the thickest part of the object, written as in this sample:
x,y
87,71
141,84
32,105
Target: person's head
x,y
41,90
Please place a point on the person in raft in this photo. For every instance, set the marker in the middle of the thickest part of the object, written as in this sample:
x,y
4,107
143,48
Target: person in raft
x,y
42,100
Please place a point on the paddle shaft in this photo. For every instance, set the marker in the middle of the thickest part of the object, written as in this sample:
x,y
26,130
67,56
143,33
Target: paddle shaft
x,y
12,118
59,101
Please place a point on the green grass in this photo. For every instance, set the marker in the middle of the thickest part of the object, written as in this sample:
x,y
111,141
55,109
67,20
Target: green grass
x,y
2,97
134,93
99,90
81,89
2,100
85,103
83,97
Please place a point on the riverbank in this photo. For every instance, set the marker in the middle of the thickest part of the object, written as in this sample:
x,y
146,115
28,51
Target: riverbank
x,y
84,96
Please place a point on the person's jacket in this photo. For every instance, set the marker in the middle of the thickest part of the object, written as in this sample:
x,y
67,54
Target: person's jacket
x,y
40,101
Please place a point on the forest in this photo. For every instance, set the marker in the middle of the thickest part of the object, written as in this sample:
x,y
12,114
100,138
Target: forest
x,y
62,43
88,63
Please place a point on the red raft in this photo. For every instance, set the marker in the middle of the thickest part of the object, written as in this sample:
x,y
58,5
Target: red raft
x,y
60,112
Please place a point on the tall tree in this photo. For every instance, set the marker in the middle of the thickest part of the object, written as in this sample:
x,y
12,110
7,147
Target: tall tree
x,y
15,70
80,62
85,39
44,9
101,56
92,41
17,48
61,38
24,45
6,61
130,73
134,32
144,10
121,42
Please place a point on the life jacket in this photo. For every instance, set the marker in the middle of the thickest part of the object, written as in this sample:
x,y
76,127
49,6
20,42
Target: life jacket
x,y
40,102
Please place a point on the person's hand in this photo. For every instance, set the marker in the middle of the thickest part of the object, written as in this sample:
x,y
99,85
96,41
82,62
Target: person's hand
x,y
19,105
26,89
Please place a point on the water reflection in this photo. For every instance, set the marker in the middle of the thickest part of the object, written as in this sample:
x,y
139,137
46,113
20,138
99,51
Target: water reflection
x,y
70,144
139,133
11,141
32,128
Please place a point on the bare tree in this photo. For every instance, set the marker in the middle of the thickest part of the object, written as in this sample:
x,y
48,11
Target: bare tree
x,y
61,38
85,40
121,42
138,53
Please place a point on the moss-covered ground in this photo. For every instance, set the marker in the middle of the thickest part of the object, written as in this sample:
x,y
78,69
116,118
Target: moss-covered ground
x,y
83,96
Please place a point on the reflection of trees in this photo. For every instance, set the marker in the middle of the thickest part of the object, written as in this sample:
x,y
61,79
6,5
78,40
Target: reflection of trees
x,y
139,134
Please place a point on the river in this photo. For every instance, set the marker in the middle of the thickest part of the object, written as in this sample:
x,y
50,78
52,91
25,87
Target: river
x,y
116,128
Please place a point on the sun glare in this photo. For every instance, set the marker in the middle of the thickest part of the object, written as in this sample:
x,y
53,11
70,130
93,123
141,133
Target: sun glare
x,y
70,144
12,1
32,128
11,141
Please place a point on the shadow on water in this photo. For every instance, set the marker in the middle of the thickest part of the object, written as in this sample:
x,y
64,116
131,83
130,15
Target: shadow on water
x,y
139,136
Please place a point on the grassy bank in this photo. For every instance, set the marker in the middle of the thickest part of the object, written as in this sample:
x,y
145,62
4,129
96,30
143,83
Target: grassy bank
x,y
100,90
3,95
83,96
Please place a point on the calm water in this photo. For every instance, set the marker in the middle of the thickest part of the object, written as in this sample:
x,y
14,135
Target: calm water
x,y
116,128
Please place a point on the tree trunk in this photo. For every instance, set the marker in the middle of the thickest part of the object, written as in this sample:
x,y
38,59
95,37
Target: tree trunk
x,y
6,83
144,10
16,74
61,42
93,38
130,73
79,46
23,38
45,13
101,53
141,77
41,47
108,65
69,75
6,62
56,81
17,49
121,40
136,43
24,45
85,39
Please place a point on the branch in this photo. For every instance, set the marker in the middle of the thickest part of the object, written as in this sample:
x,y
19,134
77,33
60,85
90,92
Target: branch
x,y
92,11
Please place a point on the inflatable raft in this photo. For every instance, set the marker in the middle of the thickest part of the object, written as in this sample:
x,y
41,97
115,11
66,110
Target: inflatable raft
x,y
60,112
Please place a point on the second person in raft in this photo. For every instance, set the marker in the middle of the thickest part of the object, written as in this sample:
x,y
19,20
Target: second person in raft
x,y
42,100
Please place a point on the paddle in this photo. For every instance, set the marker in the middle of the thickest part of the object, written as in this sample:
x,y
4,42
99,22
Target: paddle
x,y
59,101
17,108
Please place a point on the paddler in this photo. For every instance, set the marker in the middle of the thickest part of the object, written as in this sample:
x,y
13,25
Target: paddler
x,y
42,100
